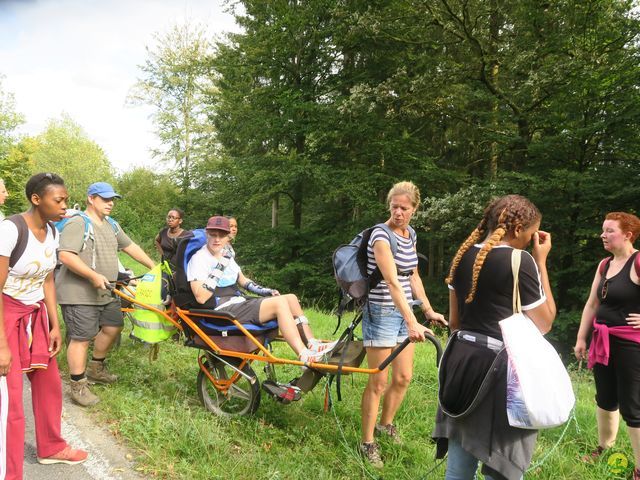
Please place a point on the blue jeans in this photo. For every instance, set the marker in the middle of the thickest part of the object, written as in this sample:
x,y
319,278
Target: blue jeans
x,y
461,465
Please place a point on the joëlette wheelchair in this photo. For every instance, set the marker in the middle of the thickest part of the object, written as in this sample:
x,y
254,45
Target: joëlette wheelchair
x,y
227,384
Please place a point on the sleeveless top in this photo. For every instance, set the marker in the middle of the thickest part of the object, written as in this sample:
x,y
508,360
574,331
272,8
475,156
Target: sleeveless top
x,y
621,298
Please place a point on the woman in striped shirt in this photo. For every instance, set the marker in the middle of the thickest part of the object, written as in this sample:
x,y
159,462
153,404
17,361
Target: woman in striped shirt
x,y
388,318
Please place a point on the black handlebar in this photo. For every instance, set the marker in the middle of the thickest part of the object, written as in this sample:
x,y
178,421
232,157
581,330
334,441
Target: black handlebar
x,y
436,343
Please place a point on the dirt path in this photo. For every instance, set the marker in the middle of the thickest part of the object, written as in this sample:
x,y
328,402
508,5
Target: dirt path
x,y
107,459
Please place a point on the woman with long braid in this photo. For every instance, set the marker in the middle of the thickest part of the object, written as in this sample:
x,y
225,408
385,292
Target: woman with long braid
x,y
473,373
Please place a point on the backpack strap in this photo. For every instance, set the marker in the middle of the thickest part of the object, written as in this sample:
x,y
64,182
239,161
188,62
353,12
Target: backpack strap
x,y
604,263
602,266
23,237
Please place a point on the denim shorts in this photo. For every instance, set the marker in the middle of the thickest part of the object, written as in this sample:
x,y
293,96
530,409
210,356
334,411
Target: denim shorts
x,y
382,326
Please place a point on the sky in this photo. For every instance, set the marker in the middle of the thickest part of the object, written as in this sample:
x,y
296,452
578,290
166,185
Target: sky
x,y
81,58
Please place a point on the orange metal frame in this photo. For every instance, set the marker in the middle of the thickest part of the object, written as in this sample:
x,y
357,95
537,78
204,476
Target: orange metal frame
x,y
265,355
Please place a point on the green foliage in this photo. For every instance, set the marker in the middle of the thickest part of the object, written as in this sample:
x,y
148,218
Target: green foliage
x,y
319,107
175,78
146,198
64,148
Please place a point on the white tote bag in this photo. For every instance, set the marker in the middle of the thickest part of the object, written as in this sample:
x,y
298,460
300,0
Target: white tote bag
x,y
539,392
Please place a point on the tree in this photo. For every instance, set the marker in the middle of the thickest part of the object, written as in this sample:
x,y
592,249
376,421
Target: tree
x,y
13,173
175,79
64,148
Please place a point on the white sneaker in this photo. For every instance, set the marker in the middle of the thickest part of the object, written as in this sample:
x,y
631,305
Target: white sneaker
x,y
321,347
310,356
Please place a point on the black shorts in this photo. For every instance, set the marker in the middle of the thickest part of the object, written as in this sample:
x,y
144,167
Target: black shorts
x,y
618,384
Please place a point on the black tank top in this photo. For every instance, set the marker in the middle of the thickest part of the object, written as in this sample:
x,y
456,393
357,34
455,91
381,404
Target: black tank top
x,y
622,296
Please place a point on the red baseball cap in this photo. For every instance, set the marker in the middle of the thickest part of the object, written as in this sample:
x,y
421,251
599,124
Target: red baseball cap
x,y
218,223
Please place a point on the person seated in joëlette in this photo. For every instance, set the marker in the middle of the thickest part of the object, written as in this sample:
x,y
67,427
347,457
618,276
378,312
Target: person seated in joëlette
x,y
215,279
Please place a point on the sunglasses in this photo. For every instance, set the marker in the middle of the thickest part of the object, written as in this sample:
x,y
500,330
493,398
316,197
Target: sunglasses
x,y
605,288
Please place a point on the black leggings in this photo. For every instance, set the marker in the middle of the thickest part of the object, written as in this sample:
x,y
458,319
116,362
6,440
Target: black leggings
x,y
618,384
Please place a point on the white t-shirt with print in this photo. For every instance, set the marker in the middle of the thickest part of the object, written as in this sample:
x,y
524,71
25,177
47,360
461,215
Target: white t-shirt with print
x,y
26,278
203,263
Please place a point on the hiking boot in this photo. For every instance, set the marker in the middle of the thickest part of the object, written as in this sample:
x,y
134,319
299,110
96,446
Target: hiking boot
x,y
81,394
371,452
97,373
70,456
390,430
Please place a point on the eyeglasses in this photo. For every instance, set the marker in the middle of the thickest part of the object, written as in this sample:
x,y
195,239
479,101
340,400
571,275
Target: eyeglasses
x,y
171,217
605,288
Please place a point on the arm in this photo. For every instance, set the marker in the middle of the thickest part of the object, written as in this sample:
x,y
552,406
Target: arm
x,y
588,312
77,266
135,252
55,337
5,353
156,242
201,294
417,288
543,315
251,286
386,264
454,318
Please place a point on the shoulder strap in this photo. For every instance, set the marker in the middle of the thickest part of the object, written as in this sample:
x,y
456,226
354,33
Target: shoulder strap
x,y
115,225
393,242
54,230
516,255
23,238
602,266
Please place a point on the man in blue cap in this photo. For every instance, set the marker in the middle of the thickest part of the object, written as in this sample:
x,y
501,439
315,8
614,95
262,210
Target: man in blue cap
x,y
89,245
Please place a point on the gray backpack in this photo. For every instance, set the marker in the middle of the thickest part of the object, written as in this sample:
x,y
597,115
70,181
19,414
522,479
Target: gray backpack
x,y
350,263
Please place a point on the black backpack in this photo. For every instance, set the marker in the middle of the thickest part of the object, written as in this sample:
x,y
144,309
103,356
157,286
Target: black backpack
x,y
23,237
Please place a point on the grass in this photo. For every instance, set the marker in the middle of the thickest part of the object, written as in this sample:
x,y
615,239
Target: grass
x,y
155,409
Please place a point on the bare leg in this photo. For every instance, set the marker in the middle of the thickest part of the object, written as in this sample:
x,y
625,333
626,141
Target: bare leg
x,y
607,427
401,373
296,311
77,356
373,392
104,340
278,307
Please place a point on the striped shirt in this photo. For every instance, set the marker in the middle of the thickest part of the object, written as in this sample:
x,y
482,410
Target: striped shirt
x,y
406,260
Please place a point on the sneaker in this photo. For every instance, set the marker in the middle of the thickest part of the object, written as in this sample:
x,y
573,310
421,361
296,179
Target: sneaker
x,y
70,456
391,430
81,394
97,373
309,356
321,347
283,392
371,452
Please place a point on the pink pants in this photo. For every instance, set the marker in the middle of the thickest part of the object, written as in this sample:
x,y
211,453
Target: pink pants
x,y
46,395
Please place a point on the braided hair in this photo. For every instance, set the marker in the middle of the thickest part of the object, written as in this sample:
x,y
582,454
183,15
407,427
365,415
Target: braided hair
x,y
502,215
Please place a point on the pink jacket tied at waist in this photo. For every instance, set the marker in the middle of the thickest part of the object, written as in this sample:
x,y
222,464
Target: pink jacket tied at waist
x,y
599,348
33,332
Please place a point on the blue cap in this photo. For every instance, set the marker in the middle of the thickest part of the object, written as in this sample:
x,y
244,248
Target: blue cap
x,y
103,189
